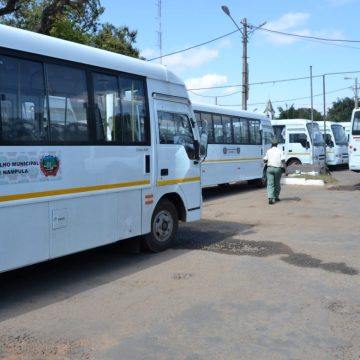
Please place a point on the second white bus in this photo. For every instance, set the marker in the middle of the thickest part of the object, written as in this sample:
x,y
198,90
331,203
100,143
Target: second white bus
x,y
300,140
237,143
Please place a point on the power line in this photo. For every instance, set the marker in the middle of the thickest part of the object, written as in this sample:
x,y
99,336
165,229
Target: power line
x,y
195,46
275,81
305,37
288,100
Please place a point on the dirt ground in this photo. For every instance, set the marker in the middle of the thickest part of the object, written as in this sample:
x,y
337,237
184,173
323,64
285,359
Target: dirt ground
x,y
249,281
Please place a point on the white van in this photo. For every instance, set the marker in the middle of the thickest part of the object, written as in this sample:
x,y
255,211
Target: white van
x,y
300,140
336,143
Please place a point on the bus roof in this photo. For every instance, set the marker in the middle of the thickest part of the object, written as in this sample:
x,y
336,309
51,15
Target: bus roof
x,y
34,43
228,111
291,121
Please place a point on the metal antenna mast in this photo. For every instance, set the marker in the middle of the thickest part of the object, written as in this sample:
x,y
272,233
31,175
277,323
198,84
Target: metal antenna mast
x,y
159,32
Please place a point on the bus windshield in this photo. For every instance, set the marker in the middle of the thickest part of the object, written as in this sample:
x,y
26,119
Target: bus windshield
x,y
339,135
356,124
315,134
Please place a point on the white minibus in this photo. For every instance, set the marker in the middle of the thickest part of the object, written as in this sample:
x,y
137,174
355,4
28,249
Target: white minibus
x,y
83,160
237,143
354,141
300,140
336,143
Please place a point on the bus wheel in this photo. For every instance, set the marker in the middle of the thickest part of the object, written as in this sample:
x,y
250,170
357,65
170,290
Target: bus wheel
x,y
164,225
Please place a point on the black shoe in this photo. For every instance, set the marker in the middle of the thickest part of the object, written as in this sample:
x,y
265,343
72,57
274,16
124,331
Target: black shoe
x,y
277,199
271,201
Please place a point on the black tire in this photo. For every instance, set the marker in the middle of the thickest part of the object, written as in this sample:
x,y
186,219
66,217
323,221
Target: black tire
x,y
164,226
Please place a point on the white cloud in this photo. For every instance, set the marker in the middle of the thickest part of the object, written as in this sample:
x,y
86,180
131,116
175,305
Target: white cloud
x,y
295,23
149,53
289,23
206,81
191,59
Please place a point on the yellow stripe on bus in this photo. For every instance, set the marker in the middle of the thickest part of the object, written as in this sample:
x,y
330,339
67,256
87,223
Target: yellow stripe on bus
x,y
233,160
176,181
71,190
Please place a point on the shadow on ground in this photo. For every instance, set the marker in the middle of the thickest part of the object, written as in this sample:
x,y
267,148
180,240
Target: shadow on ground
x,y
223,237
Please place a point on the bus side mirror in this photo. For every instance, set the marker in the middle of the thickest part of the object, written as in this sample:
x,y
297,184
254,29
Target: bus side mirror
x,y
307,145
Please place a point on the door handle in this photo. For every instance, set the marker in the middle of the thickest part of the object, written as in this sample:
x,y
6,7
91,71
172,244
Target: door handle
x,y
147,164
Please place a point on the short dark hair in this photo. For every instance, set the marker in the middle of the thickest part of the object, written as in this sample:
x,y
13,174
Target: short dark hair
x,y
274,142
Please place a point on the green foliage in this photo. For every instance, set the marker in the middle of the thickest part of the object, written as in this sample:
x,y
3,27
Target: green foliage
x,y
301,113
341,110
77,21
116,39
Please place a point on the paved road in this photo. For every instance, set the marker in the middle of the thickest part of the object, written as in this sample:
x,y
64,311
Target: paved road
x,y
249,281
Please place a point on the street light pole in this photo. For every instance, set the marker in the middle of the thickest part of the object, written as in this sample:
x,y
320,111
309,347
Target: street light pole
x,y
243,32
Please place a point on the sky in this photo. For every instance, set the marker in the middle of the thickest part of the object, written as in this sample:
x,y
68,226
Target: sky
x,y
275,61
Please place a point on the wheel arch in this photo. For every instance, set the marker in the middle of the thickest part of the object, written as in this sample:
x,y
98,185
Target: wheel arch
x,y
293,160
177,201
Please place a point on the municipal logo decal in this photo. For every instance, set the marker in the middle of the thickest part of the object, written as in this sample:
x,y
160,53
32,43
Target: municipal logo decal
x,y
49,165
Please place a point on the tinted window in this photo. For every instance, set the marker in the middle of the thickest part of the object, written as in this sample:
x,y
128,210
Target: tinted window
x,y
67,104
22,97
133,114
254,132
356,124
218,129
176,129
227,129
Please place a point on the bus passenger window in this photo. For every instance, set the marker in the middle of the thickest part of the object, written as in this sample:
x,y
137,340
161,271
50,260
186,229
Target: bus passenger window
x,y
22,93
218,130
67,102
107,108
254,132
134,115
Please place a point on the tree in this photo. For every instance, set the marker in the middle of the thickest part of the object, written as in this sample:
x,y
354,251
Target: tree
x,y
301,113
341,110
116,39
74,20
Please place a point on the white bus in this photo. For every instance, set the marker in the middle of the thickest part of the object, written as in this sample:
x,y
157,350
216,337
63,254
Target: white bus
x,y
82,157
237,143
336,143
300,140
354,141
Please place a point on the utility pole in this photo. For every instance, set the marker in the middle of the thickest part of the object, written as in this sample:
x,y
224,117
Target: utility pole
x,y
356,93
356,90
245,81
245,67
